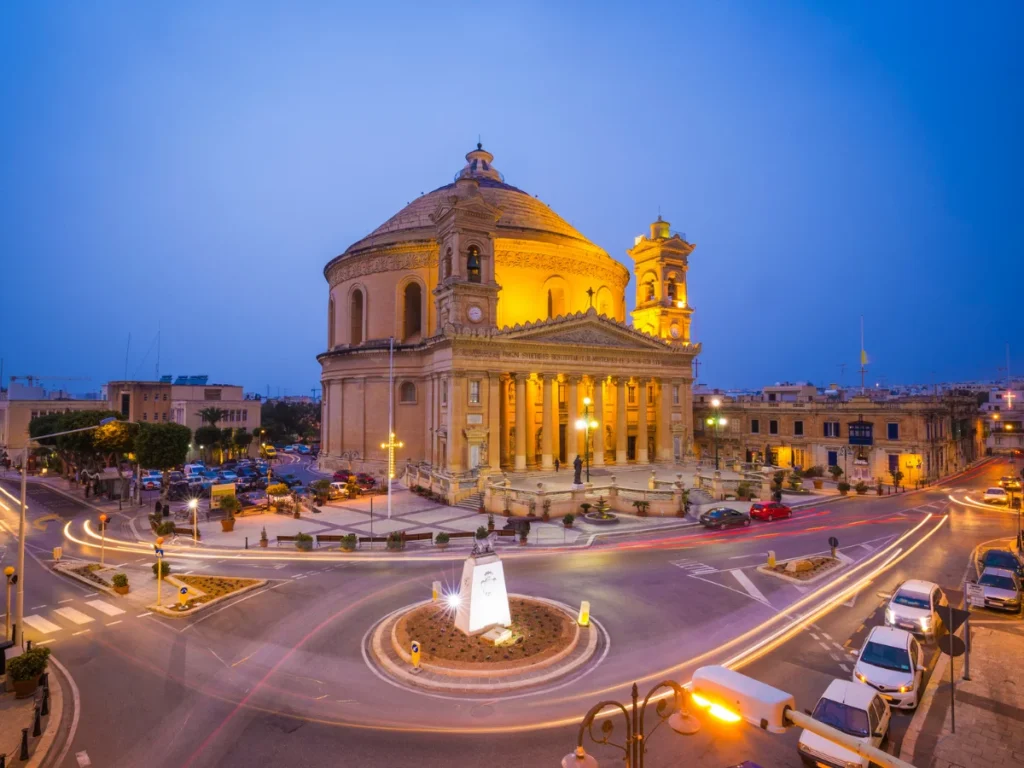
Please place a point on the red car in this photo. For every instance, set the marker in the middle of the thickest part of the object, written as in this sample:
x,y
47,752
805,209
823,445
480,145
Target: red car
x,y
769,510
341,476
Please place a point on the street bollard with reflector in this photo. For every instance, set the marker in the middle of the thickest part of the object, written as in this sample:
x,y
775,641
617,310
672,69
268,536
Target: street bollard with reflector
x,y
12,579
103,537
584,619
159,566
435,591
182,598
58,553
415,653
771,558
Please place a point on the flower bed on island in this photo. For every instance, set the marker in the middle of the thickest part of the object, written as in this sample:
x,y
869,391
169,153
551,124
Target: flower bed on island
x,y
803,569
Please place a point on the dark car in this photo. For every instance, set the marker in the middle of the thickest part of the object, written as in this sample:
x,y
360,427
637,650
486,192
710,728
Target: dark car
x,y
289,480
724,517
179,491
1003,558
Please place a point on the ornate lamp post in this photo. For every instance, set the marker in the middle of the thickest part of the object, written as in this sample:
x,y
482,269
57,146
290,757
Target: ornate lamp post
x,y
584,425
715,421
635,745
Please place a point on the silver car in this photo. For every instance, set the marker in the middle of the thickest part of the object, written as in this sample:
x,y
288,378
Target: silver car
x,y
1002,589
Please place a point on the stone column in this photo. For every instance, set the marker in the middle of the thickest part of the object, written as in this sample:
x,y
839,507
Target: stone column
x,y
520,459
495,437
428,423
456,422
506,419
556,416
546,459
664,426
597,459
620,385
641,421
572,435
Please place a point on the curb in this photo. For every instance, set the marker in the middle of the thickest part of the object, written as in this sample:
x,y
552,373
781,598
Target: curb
x,y
47,742
844,562
175,614
66,571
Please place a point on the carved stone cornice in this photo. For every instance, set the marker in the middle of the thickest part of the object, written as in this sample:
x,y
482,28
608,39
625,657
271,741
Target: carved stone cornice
x,y
397,257
600,266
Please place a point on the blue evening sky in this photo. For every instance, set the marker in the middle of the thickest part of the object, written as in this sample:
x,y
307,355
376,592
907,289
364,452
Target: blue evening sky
x,y
192,166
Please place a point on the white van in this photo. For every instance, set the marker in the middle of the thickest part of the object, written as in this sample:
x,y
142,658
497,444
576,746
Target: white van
x,y
853,708
194,469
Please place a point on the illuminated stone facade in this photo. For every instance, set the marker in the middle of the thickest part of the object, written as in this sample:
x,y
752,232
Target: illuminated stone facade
x,y
504,319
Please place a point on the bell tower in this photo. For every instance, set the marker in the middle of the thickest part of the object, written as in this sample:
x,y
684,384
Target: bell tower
x,y
659,264
465,223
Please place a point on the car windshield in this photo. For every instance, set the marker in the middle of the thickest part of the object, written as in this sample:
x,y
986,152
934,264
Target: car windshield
x,y
996,559
912,600
996,491
997,581
847,719
886,657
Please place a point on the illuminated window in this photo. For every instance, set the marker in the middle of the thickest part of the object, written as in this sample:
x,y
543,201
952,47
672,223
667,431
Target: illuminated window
x,y
473,264
631,394
474,392
675,394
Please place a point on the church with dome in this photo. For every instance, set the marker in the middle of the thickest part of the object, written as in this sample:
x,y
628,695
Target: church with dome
x,y
508,327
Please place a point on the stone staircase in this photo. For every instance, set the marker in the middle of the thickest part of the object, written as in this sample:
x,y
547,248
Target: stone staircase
x,y
698,496
471,502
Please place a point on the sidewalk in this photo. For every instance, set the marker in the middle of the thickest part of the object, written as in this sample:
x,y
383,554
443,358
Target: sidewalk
x,y
16,714
989,708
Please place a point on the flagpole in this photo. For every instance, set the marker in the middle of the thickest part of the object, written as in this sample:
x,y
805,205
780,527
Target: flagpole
x,y
863,355
391,413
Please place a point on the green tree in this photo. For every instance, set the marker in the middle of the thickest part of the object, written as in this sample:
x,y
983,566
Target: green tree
x,y
242,440
226,443
115,441
207,437
79,450
162,446
211,415
285,422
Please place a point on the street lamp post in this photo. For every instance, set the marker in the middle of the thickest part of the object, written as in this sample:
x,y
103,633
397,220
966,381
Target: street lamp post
x,y
193,504
584,425
715,421
103,537
19,613
12,579
635,746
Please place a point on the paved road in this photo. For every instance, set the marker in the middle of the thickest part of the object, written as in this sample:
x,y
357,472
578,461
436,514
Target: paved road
x,y
269,677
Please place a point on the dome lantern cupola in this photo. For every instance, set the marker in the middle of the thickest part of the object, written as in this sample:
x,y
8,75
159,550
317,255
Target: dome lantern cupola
x,y
479,165
660,229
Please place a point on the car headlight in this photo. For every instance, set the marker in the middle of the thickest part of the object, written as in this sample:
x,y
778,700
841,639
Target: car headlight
x,y
861,677
906,688
926,622
890,617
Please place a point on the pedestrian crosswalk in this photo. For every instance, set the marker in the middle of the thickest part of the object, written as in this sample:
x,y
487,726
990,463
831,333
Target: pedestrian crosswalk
x,y
693,568
69,617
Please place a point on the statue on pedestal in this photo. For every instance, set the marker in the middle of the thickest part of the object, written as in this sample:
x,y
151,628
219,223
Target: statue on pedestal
x,y
577,467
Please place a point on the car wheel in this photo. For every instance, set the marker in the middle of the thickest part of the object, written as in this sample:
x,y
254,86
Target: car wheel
x,y
721,526
747,521
770,518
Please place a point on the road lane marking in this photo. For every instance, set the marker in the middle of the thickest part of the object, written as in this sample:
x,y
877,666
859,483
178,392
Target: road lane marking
x,y
147,613
44,642
83,759
748,585
37,607
742,557
92,594
69,600
81,632
39,624
823,645
107,608
72,615
112,623
846,669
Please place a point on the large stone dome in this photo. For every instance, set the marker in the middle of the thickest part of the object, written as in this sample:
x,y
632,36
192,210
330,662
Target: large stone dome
x,y
522,215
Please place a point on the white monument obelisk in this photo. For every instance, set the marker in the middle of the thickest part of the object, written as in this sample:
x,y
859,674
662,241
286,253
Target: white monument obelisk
x,y
483,601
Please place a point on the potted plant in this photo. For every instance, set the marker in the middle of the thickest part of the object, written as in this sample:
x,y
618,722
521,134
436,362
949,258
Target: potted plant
x,y
844,488
490,522
264,541
531,507
836,473
120,583
26,669
546,513
816,473
230,505
524,533
861,488
684,503
481,533
304,542
165,568
441,540
585,506
396,541
568,520
744,491
641,508
897,477
321,489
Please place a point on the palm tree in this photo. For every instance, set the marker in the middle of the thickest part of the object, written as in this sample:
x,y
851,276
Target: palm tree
x,y
211,415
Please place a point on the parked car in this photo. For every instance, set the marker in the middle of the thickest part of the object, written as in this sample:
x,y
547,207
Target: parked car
x,y
855,709
179,491
288,479
175,476
151,481
195,468
252,498
366,481
724,517
891,661
303,449
1003,558
228,477
269,451
914,606
341,476
1002,589
995,496
1009,483
769,510
289,449
337,491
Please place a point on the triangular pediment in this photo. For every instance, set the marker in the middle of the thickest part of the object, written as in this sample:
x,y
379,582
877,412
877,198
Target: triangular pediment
x,y
589,330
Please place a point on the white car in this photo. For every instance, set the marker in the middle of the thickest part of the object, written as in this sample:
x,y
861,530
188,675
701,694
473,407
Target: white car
x,y
853,708
151,481
995,495
892,663
914,606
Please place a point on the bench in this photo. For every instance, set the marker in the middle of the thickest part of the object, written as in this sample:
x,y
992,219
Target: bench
x,y
328,538
187,531
462,535
506,532
428,536
286,539
371,539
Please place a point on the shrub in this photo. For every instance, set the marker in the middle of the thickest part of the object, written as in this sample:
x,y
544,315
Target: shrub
x,y
546,514
304,542
836,472
229,505
481,532
348,541
641,508
165,568
30,665
263,534
861,487
277,489
442,538
120,580
742,490
165,528
568,520
396,540
585,506
843,487
816,471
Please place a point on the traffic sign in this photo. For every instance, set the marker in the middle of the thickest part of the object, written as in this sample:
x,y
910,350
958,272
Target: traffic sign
x,y
953,618
958,645
159,551
833,542
183,591
975,595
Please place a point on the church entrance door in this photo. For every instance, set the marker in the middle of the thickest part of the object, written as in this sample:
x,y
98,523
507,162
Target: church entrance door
x,y
561,444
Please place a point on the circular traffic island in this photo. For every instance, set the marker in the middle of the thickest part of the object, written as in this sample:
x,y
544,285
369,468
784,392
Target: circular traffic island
x,y
542,644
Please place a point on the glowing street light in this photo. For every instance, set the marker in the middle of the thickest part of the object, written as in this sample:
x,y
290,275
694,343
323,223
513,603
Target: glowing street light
x,y
193,504
715,421
585,425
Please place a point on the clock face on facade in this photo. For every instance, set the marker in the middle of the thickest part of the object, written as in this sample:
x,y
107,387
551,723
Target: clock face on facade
x,y
674,330
475,314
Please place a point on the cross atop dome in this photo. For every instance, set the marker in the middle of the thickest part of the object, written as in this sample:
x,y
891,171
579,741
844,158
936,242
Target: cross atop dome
x,y
478,165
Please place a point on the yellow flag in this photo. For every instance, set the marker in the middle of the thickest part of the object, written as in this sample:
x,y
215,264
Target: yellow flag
x,y
863,357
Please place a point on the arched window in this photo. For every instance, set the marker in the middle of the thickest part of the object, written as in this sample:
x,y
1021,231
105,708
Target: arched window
x,y
671,289
550,312
356,319
330,323
473,264
412,311
407,392
650,290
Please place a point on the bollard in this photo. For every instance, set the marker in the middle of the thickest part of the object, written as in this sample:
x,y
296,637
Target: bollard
x,y
44,680
37,724
28,645
3,761
771,558
246,542
46,704
23,755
